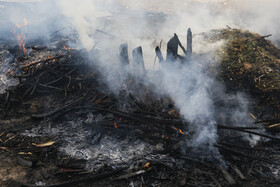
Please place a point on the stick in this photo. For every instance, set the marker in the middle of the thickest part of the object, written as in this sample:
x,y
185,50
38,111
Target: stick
x,y
138,60
55,111
266,36
83,180
159,54
189,43
252,132
124,54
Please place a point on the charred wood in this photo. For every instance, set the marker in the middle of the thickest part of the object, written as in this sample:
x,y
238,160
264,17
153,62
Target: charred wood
x,y
159,54
124,54
172,49
189,43
138,60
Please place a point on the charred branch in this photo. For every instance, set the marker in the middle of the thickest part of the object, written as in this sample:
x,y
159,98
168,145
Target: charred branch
x,y
159,54
189,43
172,49
138,60
124,54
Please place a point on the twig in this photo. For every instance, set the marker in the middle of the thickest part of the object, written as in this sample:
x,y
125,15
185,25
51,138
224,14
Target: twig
x,y
43,61
56,110
266,36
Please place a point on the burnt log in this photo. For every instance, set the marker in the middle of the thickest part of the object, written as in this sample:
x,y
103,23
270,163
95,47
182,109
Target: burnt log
x,y
159,54
172,49
124,54
189,43
138,60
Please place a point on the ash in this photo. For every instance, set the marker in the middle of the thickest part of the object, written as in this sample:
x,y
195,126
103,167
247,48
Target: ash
x,y
81,139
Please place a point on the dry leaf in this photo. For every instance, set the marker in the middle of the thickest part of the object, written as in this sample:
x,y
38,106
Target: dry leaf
x,y
5,148
50,143
24,153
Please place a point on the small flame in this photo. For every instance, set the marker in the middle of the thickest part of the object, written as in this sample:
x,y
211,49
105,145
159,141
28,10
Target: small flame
x,y
178,130
147,165
25,23
67,48
116,126
181,131
21,38
21,42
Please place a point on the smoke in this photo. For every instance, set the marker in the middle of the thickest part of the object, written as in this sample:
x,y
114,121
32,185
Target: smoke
x,y
102,25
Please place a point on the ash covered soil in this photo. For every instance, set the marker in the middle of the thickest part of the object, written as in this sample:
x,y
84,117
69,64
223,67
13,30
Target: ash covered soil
x,y
62,125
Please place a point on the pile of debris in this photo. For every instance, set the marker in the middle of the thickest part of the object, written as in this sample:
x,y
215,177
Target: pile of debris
x,y
59,104
250,63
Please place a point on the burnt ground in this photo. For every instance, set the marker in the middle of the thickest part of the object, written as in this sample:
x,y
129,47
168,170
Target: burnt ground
x,y
61,126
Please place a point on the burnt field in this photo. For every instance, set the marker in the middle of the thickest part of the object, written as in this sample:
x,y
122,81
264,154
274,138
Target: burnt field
x,y
106,108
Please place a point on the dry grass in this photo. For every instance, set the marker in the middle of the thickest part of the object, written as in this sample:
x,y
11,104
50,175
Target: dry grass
x,y
250,63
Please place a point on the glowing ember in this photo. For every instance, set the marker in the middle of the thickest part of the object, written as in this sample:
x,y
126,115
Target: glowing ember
x,y
181,131
171,111
11,72
178,130
147,165
67,48
116,126
22,25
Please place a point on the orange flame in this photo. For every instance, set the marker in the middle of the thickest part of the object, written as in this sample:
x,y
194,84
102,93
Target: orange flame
x,y
21,36
147,165
22,25
67,48
181,131
21,42
116,126
178,130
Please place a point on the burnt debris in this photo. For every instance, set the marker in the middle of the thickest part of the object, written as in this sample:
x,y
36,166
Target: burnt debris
x,y
60,126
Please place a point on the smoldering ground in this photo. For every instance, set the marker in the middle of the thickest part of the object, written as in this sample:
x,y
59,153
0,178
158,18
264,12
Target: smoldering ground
x,y
102,26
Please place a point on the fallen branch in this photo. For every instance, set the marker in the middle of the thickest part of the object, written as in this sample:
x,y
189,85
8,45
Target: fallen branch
x,y
56,110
